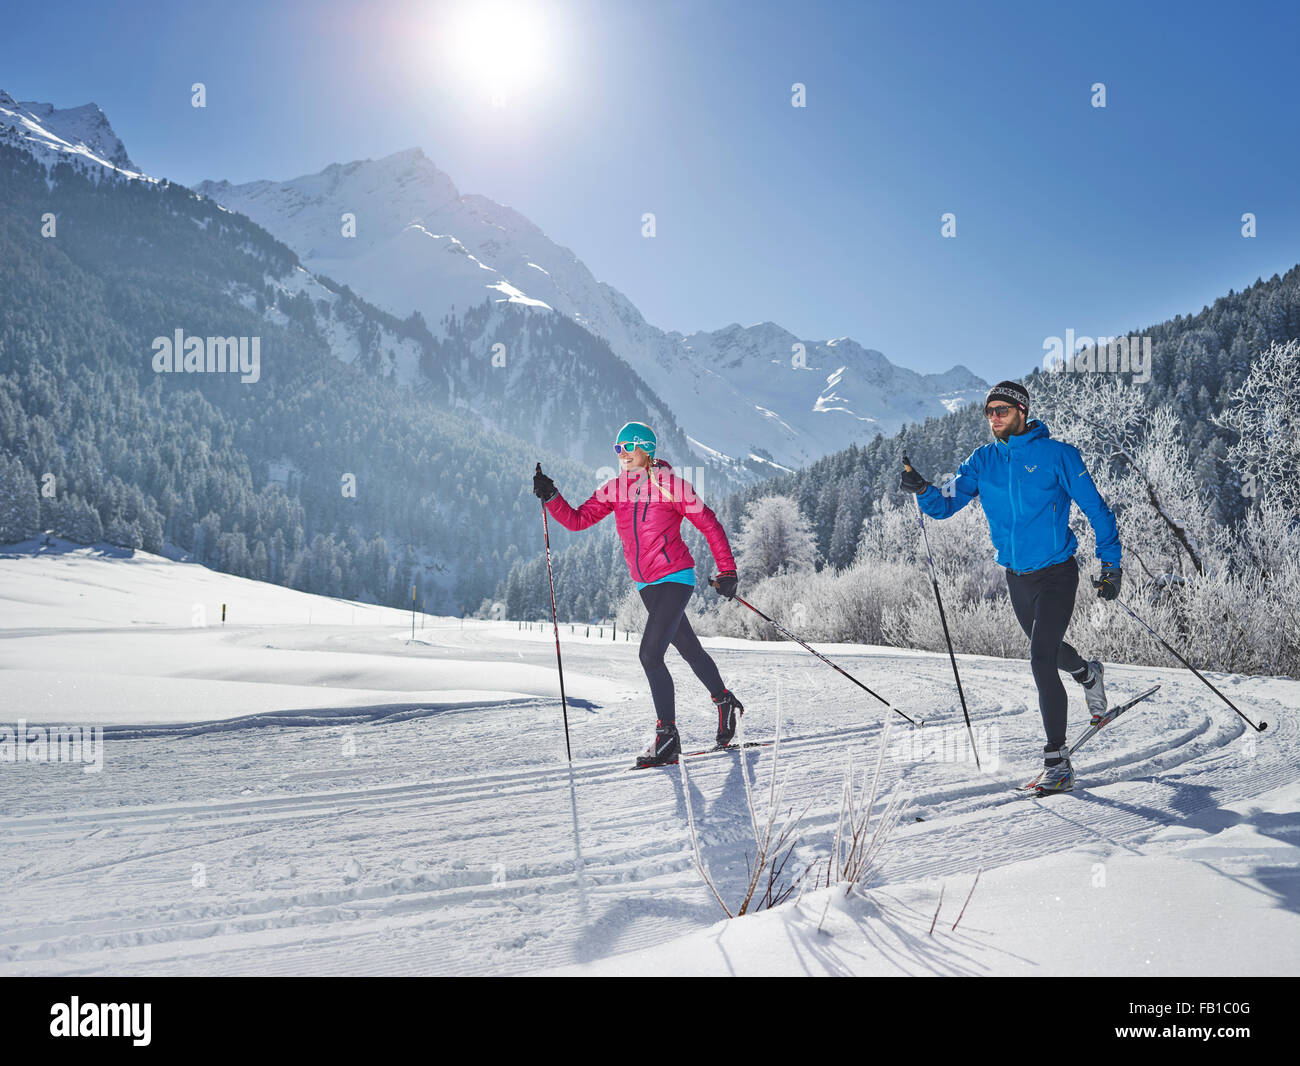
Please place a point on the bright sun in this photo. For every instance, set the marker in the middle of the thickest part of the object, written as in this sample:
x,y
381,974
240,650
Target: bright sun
x,y
501,45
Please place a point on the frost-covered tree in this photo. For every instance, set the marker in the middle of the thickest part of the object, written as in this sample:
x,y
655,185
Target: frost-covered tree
x,y
76,520
124,534
775,538
261,563
847,525
1136,456
1265,414
232,554
631,613
20,506
1174,517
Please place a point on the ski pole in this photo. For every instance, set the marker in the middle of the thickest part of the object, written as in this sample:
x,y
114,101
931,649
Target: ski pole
x,y
550,577
819,655
1258,728
934,582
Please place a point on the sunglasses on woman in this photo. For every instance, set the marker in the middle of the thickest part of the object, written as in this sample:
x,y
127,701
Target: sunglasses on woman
x,y
625,446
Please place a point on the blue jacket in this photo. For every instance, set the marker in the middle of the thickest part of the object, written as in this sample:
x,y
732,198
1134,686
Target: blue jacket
x,y
1026,484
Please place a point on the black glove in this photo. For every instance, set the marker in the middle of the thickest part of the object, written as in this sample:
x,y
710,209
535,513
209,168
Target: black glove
x,y
911,481
1107,585
543,487
725,583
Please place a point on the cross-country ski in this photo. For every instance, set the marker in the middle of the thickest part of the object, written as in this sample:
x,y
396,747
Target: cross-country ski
x,y
718,750
1032,786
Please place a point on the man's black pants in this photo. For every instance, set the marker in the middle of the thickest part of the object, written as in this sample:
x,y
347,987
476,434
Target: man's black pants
x,y
1043,601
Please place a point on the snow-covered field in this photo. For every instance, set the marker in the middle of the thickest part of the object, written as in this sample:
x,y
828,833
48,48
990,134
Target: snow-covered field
x,y
307,790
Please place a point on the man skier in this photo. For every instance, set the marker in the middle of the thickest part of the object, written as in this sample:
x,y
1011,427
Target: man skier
x,y
1026,481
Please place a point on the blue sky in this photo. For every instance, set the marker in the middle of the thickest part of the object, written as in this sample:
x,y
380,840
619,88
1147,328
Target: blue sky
x,y
824,219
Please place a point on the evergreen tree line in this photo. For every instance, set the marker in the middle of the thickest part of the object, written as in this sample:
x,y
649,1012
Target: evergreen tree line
x,y
97,446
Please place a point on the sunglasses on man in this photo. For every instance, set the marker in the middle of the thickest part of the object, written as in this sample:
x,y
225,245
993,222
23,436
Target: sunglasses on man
x,y
1002,411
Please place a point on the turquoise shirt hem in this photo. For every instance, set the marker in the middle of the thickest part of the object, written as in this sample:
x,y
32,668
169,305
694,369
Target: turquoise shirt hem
x,y
681,577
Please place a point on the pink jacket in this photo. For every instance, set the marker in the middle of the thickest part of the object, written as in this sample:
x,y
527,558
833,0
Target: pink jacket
x,y
648,509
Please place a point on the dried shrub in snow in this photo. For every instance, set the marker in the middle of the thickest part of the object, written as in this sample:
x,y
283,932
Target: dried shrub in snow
x,y
775,841
855,852
854,858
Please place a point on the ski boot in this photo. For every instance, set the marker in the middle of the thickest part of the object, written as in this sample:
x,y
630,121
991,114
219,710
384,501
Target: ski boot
x,y
1094,691
729,711
664,749
1058,778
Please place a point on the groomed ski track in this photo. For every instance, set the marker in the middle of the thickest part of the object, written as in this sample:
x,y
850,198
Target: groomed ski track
x,y
459,842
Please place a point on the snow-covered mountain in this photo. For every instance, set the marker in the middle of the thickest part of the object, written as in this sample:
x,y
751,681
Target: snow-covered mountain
x,y
854,392
403,250
81,135
398,232
84,137
558,384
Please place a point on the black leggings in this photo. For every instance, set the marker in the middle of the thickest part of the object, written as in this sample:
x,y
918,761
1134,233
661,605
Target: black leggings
x,y
667,624
1043,601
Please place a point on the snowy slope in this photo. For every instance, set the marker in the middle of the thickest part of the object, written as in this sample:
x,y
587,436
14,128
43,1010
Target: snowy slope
x,y
79,656
83,136
1212,895
350,334
453,838
420,244
79,134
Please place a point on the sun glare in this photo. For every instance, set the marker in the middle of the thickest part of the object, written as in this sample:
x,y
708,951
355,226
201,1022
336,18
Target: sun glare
x,y
503,46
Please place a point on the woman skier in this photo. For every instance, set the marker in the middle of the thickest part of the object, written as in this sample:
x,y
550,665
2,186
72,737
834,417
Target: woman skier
x,y
1026,481
649,503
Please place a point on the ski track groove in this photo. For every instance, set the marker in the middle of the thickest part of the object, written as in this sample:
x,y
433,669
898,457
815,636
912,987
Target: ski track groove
x,y
475,873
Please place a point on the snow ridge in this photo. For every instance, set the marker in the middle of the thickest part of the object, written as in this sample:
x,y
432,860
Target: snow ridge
x,y
81,134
